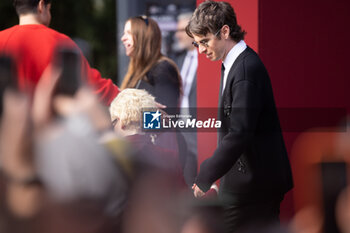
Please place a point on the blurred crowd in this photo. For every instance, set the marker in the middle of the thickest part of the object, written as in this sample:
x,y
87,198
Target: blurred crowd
x,y
71,164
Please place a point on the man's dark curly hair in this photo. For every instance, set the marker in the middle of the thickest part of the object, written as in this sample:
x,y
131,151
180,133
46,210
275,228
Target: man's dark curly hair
x,y
27,6
210,17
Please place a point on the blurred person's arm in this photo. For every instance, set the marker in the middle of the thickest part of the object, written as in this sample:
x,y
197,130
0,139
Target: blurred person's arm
x,y
15,140
84,101
22,185
103,87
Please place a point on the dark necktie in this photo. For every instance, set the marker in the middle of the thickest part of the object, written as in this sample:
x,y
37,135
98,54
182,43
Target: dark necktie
x,y
221,86
220,107
222,79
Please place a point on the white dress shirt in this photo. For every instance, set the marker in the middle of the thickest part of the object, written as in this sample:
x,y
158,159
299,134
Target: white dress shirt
x,y
188,72
231,58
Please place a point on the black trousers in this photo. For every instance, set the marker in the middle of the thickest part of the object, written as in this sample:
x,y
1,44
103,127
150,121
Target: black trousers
x,y
251,214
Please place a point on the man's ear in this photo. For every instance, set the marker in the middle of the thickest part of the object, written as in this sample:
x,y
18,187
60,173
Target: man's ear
x,y
41,6
226,31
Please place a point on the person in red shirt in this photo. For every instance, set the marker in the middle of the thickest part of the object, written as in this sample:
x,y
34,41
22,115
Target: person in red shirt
x,y
32,44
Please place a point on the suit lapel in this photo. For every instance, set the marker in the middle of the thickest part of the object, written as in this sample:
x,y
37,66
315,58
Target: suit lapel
x,y
230,75
229,81
220,107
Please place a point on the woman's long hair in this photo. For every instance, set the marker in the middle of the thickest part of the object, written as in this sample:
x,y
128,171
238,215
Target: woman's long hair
x,y
147,45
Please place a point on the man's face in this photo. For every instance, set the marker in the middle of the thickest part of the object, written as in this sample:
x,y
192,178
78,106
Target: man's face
x,y
185,42
211,46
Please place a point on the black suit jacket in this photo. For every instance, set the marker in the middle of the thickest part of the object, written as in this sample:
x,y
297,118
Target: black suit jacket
x,y
163,83
251,157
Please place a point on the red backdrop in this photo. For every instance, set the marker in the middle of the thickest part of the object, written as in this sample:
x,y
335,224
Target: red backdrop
x,y
304,46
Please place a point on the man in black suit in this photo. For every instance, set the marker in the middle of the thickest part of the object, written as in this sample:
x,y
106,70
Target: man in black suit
x,y
251,157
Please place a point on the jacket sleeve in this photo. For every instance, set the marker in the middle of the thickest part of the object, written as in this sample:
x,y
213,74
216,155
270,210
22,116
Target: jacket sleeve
x,y
105,88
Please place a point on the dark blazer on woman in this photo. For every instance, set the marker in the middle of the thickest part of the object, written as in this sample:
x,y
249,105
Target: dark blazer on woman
x,y
163,83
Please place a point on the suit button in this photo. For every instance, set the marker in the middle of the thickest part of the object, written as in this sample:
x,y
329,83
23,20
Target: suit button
x,y
241,166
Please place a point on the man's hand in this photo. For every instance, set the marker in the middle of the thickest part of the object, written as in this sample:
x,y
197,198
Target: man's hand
x,y
197,192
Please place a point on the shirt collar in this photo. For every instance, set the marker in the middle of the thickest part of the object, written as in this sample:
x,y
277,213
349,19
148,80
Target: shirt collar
x,y
233,54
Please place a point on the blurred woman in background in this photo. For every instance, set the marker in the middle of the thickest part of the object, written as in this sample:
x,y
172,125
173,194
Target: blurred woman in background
x,y
148,68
